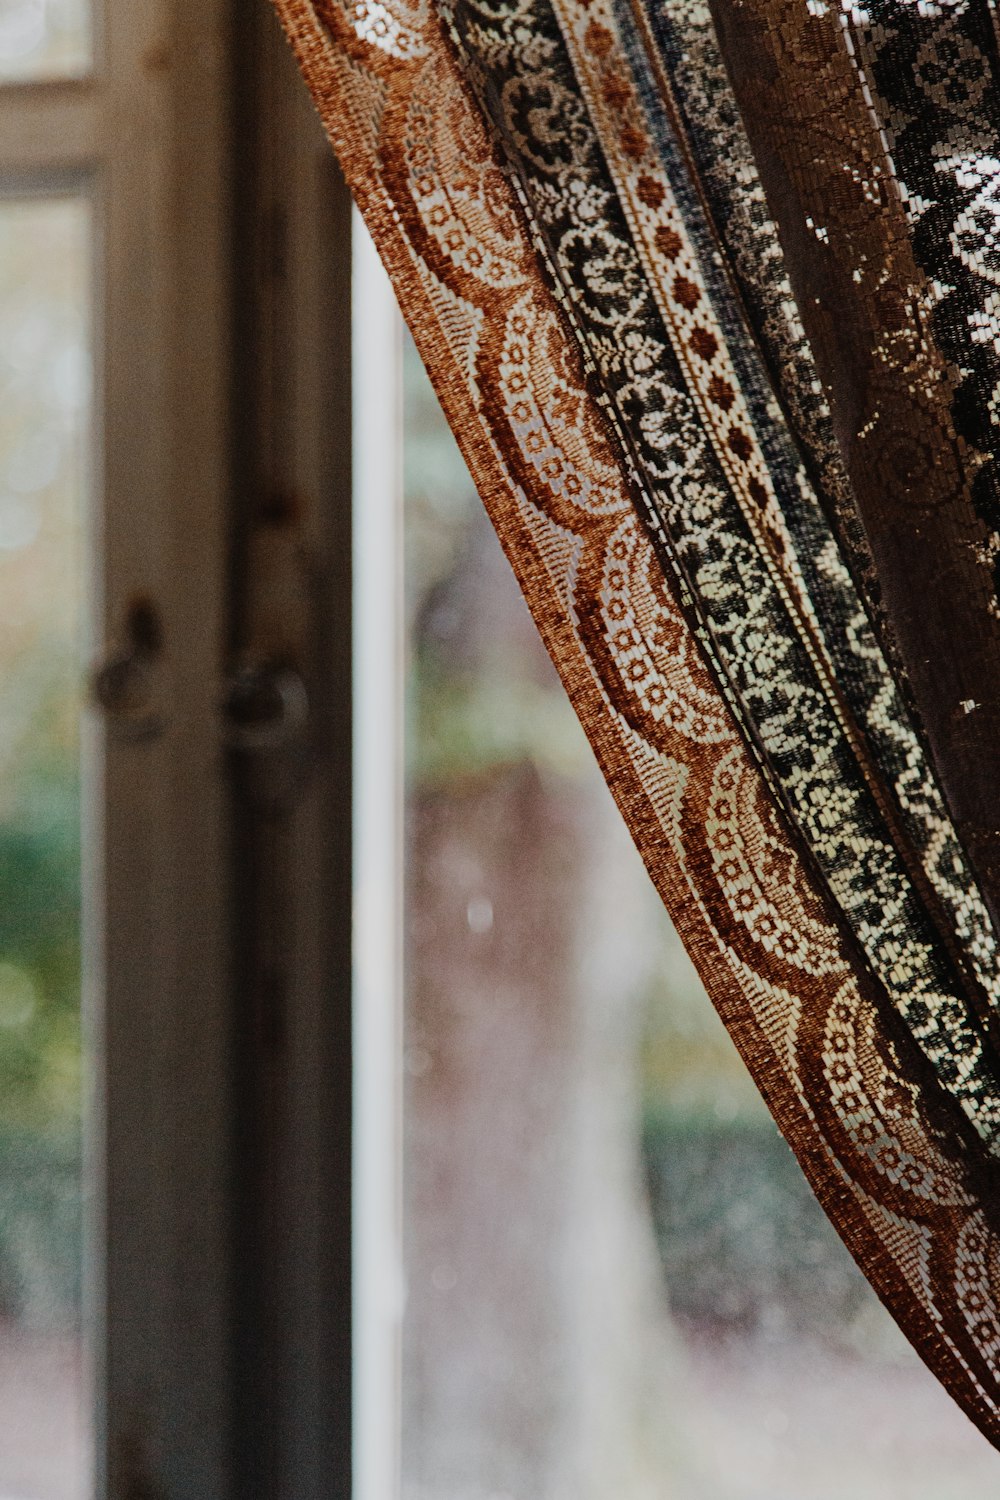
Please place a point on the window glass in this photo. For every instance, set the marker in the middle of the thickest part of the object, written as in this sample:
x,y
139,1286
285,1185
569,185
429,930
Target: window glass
x,y
44,39
44,426
617,1280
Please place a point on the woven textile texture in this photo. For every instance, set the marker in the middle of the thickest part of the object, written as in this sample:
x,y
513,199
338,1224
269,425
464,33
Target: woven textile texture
x,y
710,293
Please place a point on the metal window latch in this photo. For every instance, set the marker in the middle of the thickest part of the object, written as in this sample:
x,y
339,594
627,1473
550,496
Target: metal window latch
x,y
267,715
265,727
125,685
265,708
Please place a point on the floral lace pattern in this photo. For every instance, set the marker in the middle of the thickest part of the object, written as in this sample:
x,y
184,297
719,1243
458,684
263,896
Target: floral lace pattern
x,y
669,515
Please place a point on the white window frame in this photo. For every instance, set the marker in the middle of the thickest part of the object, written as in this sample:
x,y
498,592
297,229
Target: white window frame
x,y
379,863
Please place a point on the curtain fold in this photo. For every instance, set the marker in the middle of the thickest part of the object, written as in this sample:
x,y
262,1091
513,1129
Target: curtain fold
x,y
884,198
706,295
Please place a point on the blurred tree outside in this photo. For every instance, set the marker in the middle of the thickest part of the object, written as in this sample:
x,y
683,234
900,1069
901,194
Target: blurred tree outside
x,y
531,1365
618,1281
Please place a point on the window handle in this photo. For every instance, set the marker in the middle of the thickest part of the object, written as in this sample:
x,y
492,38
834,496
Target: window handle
x,y
124,684
266,707
265,727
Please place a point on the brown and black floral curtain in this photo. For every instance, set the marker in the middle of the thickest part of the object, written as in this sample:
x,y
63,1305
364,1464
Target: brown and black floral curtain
x,y
710,293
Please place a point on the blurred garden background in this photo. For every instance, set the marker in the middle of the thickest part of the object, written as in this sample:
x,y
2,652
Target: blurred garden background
x,y
45,364
618,1281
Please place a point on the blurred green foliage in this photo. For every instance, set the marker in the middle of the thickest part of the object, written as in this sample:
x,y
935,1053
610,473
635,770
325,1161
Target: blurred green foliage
x,y
40,1198
44,406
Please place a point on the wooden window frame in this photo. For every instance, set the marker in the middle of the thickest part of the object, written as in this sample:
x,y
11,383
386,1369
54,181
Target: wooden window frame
x,y
217,916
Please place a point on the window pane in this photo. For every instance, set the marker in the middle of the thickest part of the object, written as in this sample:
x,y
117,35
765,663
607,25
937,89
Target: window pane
x,y
44,39
44,424
617,1280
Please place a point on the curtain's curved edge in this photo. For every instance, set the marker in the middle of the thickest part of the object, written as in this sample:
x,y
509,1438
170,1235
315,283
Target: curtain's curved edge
x,y
344,91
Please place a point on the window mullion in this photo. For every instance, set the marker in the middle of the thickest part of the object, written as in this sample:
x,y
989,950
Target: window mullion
x,y
49,129
157,915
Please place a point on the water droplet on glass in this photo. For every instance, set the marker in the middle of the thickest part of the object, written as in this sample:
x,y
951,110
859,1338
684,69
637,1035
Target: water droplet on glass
x,y
479,914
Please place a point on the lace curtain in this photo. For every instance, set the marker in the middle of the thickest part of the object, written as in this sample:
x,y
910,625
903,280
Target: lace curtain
x,y
710,294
